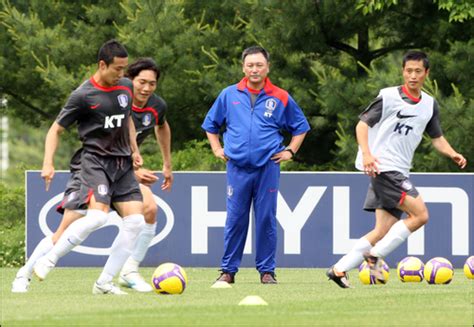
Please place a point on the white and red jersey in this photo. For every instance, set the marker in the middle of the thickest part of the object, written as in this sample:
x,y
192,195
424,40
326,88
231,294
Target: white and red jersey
x,y
394,138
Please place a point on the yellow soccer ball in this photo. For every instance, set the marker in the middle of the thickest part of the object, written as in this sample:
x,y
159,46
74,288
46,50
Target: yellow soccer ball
x,y
367,278
438,271
169,278
469,267
410,269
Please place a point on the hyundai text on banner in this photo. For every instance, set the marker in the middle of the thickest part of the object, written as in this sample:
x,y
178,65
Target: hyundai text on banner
x,y
319,215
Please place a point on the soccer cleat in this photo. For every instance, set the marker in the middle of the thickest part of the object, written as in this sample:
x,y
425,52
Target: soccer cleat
x,y
268,278
20,284
107,288
134,281
341,281
375,265
42,268
226,277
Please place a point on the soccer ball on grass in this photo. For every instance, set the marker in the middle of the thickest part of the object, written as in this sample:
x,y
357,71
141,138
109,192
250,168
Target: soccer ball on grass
x,y
367,278
438,271
410,269
469,267
169,278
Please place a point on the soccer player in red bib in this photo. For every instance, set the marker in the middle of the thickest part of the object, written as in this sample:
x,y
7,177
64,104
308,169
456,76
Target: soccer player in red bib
x,y
101,107
149,115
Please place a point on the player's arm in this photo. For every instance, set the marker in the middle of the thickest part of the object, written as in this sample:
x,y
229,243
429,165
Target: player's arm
x,y
216,146
50,145
290,150
433,129
368,118
137,158
369,161
293,121
442,145
163,137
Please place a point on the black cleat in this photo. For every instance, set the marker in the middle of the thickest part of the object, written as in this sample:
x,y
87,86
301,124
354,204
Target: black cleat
x,y
375,265
268,278
341,281
226,277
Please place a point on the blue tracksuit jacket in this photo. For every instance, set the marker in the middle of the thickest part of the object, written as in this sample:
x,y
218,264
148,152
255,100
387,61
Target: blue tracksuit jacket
x,y
253,134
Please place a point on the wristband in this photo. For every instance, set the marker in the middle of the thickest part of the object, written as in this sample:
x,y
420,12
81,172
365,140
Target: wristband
x,y
290,151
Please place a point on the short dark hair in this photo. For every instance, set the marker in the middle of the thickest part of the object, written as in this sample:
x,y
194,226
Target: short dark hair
x,y
255,49
142,64
416,56
109,50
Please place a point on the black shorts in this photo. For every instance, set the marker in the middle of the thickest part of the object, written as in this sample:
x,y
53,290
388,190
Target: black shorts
x,y
387,191
71,199
109,179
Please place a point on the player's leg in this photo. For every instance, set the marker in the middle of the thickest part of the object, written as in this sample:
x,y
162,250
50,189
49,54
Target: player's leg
x,y
129,275
239,198
69,217
397,195
128,201
96,194
74,235
399,232
265,205
69,210
23,277
383,222
122,247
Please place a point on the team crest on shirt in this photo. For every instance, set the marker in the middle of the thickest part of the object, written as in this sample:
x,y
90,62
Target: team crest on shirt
x,y
230,190
122,100
270,105
406,185
102,189
146,120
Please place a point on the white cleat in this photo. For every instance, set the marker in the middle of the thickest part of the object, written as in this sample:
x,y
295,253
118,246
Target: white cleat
x,y
20,284
134,281
107,288
42,268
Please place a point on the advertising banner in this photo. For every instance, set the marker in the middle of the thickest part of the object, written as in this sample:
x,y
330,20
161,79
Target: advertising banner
x,y
319,217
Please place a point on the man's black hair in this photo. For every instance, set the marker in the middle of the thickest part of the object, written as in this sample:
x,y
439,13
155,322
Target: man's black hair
x,y
142,64
416,55
111,49
255,49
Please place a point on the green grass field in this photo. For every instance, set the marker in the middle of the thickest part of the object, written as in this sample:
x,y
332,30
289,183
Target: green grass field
x,y
302,297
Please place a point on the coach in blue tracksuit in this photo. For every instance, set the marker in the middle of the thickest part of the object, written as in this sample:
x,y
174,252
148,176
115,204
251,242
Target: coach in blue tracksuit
x,y
254,112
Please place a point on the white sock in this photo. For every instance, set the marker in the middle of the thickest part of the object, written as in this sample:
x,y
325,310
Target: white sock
x,y
354,257
130,266
43,247
144,240
76,233
122,247
397,234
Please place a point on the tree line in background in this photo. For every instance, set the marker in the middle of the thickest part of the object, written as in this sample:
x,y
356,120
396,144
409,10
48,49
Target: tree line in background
x,y
332,55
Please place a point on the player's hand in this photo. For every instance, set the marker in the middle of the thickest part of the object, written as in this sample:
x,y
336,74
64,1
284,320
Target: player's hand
x,y
137,160
145,176
459,160
219,153
168,179
371,165
282,156
47,173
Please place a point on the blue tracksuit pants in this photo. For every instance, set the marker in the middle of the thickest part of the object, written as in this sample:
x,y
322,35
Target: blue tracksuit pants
x,y
244,186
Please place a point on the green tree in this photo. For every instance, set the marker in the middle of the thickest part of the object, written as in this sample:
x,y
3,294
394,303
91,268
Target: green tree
x,y
332,56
